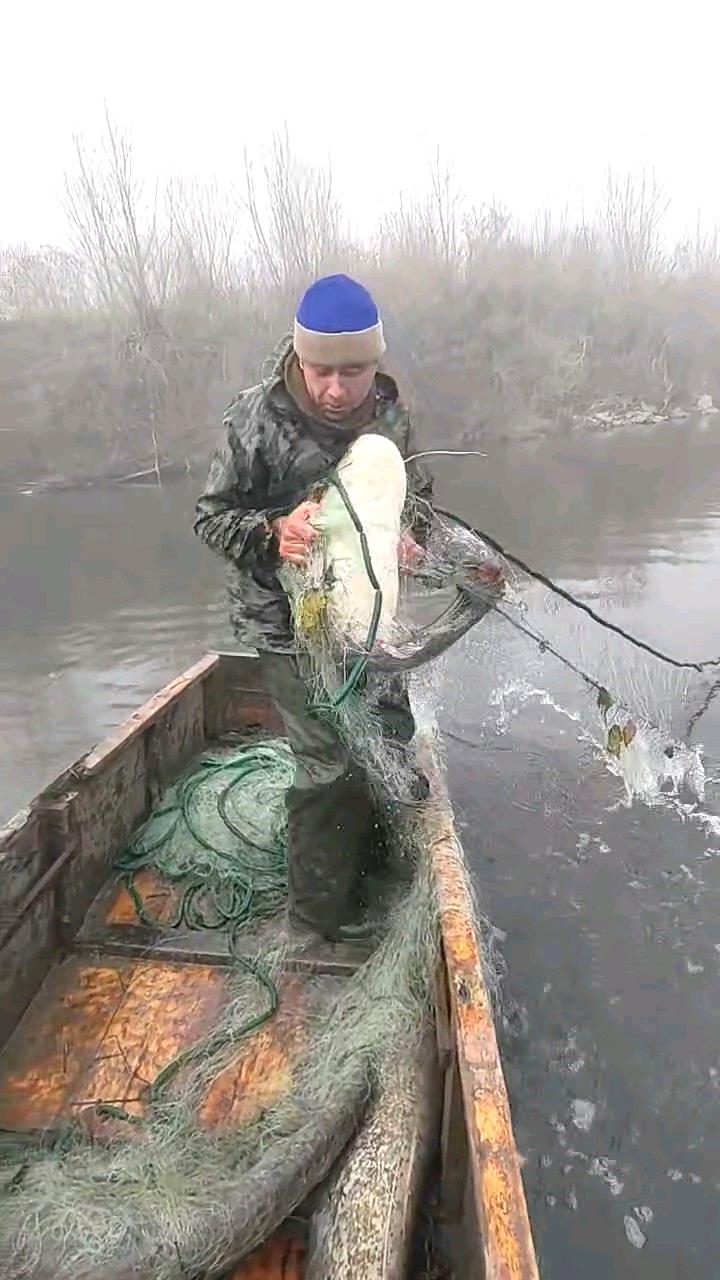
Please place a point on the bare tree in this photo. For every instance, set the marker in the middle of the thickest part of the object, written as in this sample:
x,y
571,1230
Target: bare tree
x,y
41,280
204,227
295,219
632,221
442,227
445,211
117,229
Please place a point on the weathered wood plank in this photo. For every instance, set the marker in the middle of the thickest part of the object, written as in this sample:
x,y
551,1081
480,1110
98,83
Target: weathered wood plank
x,y
454,1168
112,927
493,1158
146,715
236,698
210,947
261,1070
27,922
174,737
52,864
118,783
107,805
159,897
363,1223
282,1258
165,1008
101,1032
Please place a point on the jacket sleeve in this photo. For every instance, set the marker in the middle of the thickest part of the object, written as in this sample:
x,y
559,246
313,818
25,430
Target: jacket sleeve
x,y
232,514
420,488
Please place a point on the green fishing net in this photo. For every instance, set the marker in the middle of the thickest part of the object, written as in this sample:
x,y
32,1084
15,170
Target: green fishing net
x,y
219,836
163,1197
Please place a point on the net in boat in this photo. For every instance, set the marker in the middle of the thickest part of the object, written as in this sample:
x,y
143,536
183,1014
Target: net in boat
x,y
161,1193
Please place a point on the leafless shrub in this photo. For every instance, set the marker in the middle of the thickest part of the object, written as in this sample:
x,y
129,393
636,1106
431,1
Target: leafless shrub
x,y
136,340
699,254
295,218
635,207
117,229
43,280
205,231
442,228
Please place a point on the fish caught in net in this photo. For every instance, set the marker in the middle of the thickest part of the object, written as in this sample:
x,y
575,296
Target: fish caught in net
x,y
351,606
362,622
154,1190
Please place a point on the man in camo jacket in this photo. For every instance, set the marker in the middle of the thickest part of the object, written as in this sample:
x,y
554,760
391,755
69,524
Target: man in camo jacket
x,y
320,390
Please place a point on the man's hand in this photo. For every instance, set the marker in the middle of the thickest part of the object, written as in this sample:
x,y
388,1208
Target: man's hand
x,y
295,532
410,553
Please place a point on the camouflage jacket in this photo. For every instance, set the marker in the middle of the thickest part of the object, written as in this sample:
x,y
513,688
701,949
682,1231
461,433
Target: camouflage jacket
x,y
269,457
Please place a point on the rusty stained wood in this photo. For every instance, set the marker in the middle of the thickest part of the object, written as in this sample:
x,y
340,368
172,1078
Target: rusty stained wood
x,y
493,1158
241,710
282,1258
236,698
159,898
108,791
255,1079
101,1032
112,927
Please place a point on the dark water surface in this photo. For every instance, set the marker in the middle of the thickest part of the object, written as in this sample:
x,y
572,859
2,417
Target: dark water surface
x,y
603,888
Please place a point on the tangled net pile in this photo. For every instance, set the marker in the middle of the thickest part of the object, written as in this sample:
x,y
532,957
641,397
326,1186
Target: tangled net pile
x,y
163,1196
220,835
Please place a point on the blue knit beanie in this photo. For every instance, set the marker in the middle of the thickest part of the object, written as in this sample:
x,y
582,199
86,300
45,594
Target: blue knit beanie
x,y
337,323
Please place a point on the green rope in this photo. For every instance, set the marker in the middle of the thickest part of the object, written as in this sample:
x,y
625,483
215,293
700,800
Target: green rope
x,y
359,667
224,1036
240,887
228,889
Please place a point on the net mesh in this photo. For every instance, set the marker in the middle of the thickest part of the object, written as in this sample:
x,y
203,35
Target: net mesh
x,y
173,1199
221,836
162,1194
448,588
450,585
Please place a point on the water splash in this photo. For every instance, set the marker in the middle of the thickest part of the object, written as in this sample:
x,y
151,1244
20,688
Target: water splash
x,y
654,767
511,697
650,765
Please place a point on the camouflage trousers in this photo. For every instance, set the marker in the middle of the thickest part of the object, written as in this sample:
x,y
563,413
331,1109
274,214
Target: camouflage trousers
x,y
334,828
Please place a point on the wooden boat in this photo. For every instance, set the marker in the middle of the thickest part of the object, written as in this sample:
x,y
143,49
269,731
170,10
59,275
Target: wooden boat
x,y
92,1001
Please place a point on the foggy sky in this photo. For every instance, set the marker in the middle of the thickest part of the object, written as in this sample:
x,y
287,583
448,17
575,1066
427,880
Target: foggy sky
x,y
529,102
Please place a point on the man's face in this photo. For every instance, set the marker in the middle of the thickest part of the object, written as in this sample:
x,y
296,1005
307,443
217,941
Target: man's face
x,y
337,392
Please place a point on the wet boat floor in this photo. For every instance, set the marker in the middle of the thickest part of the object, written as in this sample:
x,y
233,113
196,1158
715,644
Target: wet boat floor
x,y
125,998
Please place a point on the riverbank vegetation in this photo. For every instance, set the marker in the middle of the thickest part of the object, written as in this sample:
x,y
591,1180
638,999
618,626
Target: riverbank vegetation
x,y
118,356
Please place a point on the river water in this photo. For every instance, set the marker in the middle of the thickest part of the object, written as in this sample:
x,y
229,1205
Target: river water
x,y
600,876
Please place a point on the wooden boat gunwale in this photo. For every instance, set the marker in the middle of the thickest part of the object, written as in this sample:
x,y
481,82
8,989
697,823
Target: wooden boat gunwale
x,y
56,854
